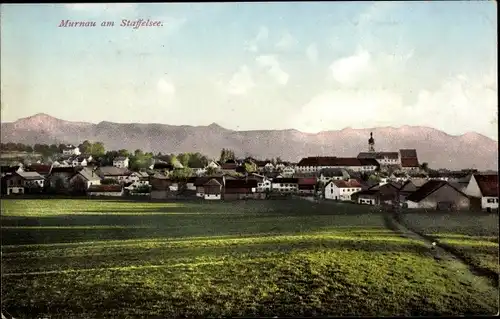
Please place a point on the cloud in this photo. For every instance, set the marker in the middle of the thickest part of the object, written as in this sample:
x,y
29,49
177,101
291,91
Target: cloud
x,y
262,35
286,42
312,53
349,70
460,101
241,82
272,65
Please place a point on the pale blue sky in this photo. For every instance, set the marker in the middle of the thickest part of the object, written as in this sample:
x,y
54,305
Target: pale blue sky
x,y
309,66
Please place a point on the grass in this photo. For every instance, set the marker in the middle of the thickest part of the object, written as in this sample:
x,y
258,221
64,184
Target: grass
x,y
119,259
473,235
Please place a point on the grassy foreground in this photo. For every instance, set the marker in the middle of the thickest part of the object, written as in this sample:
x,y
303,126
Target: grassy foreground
x,y
95,259
474,235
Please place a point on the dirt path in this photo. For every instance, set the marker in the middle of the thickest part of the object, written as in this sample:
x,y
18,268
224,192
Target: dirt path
x,y
452,261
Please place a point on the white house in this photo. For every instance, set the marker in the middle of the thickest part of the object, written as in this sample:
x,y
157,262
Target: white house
x,y
486,188
121,162
85,177
288,171
71,150
285,185
269,167
213,165
139,178
328,174
77,161
341,190
383,158
315,164
264,186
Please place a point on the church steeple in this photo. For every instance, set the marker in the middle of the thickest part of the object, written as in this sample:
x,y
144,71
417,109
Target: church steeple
x,y
371,143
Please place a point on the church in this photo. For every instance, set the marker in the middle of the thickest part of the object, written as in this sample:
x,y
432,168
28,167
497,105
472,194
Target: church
x,y
406,159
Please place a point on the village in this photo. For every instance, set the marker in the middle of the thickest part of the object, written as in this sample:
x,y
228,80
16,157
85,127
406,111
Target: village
x,y
370,178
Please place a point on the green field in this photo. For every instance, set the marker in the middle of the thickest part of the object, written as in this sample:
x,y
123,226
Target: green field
x,y
118,259
473,235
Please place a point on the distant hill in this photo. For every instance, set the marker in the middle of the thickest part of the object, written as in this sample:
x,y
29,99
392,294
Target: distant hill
x,y
440,150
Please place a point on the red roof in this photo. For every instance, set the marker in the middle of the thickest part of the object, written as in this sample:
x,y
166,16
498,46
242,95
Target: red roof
x,y
488,184
347,184
307,181
39,168
409,162
408,153
337,161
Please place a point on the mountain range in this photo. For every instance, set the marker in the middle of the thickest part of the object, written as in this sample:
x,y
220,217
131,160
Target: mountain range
x,y
437,148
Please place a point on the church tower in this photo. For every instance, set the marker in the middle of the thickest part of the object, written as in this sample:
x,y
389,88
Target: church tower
x,y
371,143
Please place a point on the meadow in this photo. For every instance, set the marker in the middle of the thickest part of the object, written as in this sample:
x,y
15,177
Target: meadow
x,y
474,236
124,259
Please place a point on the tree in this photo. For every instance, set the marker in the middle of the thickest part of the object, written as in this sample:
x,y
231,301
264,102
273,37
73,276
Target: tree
x,y
85,147
250,168
139,152
183,159
226,154
182,174
123,152
29,149
424,166
197,160
210,171
98,149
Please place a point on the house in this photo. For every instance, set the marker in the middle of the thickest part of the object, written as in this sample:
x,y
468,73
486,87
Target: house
x,y
315,164
263,183
198,169
139,178
9,170
409,160
77,161
213,165
484,187
71,150
307,186
24,182
82,180
410,187
162,166
366,197
440,195
110,172
121,162
105,190
383,158
207,190
285,185
59,177
229,167
240,189
328,174
160,186
288,171
388,193
341,190
41,169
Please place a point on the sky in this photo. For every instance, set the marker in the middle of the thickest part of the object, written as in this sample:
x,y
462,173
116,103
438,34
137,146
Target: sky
x,y
311,66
